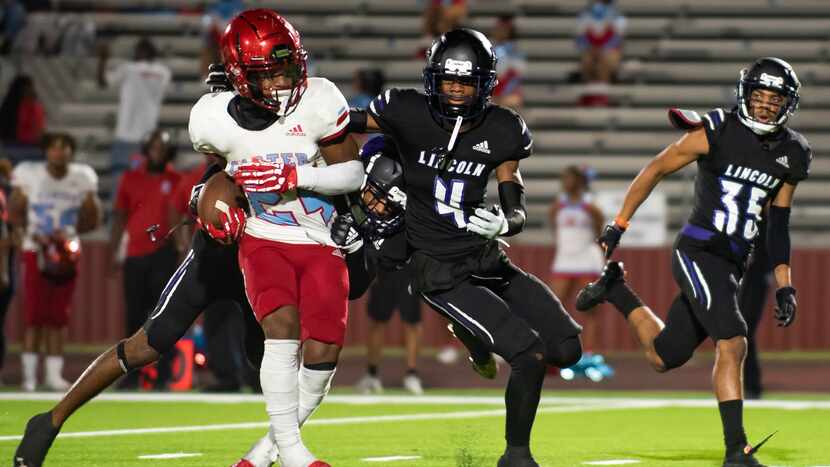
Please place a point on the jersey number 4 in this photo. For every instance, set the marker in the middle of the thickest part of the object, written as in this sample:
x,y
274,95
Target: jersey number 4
x,y
448,197
727,220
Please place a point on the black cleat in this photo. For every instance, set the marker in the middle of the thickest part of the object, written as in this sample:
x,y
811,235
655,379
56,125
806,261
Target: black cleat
x,y
744,457
517,457
38,438
594,293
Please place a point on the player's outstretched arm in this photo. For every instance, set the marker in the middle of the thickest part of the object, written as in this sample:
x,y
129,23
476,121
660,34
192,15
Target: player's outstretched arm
x,y
778,245
674,157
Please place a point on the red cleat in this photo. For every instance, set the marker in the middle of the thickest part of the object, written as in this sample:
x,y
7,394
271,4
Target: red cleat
x,y
319,464
242,463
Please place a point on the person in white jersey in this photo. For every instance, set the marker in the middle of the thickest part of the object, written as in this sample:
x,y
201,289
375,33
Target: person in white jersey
x,y
284,138
576,222
54,201
142,84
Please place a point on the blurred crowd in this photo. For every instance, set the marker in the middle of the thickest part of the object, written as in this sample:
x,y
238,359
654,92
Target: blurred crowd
x,y
151,194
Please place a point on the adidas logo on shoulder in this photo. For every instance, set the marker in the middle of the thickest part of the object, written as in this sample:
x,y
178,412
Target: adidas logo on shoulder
x,y
783,160
482,147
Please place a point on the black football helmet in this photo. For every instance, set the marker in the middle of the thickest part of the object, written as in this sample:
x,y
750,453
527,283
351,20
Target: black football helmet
x,y
773,74
380,211
464,55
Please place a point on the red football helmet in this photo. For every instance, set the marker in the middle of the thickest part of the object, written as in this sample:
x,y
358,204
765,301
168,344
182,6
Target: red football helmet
x,y
261,44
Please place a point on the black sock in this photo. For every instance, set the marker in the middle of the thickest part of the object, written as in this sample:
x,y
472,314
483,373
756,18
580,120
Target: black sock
x,y
623,298
527,373
732,417
412,371
372,370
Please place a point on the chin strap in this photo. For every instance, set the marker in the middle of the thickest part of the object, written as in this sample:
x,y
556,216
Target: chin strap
x,y
455,131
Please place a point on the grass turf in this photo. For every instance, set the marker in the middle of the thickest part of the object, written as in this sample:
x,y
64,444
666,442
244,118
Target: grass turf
x,y
656,437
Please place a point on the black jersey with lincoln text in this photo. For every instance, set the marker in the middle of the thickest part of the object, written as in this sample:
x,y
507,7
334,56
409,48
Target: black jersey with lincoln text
x,y
742,172
443,190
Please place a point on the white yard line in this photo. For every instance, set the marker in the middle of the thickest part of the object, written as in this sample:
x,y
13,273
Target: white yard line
x,y
322,421
630,402
172,455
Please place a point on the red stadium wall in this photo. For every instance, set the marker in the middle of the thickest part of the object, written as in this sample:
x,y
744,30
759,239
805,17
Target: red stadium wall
x,y
97,315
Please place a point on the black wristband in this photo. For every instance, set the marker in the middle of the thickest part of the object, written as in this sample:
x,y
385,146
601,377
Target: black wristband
x,y
357,121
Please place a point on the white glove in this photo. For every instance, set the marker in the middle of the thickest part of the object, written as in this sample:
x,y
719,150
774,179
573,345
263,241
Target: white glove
x,y
489,223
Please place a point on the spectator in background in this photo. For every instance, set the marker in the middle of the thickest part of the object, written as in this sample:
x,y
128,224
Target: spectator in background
x,y
12,20
54,201
215,20
142,84
391,291
510,66
367,83
141,203
8,244
439,17
599,38
223,321
22,117
577,222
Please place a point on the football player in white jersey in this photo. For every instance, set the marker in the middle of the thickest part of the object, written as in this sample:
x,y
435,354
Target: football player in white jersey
x,y
54,201
284,138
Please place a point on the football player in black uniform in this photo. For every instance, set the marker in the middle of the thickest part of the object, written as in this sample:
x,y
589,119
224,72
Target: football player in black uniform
x,y
749,164
451,139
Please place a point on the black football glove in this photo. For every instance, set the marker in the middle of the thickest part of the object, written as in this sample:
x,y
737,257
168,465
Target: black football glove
x,y
217,80
345,235
610,238
787,306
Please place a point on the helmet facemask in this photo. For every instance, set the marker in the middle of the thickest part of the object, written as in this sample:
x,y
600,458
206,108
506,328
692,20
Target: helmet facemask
x,y
381,211
283,63
779,85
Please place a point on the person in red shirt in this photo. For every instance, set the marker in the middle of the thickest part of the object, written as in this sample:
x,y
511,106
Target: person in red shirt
x,y
22,117
141,211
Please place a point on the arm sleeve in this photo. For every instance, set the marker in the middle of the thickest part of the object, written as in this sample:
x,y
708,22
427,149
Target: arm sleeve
x,y
525,147
334,179
778,236
512,199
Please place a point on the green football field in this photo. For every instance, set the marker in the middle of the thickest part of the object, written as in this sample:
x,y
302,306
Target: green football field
x,y
440,429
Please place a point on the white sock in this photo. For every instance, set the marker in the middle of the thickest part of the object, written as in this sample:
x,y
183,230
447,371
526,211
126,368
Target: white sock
x,y
54,367
314,385
278,376
29,362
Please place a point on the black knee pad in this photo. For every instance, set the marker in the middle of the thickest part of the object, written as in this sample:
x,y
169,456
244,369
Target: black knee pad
x,y
673,355
565,353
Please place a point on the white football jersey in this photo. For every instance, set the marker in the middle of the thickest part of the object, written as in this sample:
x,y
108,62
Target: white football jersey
x,y
53,203
576,249
296,216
